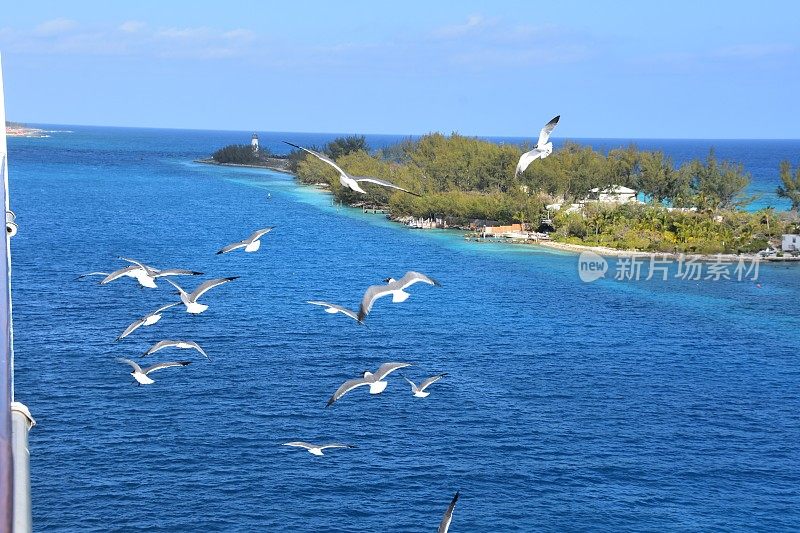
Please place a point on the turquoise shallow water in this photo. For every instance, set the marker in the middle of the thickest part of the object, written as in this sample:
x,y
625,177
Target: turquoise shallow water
x,y
611,406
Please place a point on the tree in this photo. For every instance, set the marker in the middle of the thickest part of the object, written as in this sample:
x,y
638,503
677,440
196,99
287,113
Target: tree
x,y
658,179
716,185
790,186
342,146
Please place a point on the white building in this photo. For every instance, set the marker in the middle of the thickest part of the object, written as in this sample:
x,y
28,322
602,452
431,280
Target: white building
x,y
254,142
790,243
616,194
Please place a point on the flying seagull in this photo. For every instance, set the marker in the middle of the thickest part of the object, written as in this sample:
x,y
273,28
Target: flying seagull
x,y
160,345
145,274
141,375
419,392
393,287
190,299
147,320
375,381
542,149
316,449
444,526
250,244
131,271
351,182
333,309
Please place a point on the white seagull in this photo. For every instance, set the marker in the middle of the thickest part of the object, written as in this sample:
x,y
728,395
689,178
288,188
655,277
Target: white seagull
x,y
333,309
393,287
160,345
147,320
145,274
351,182
250,244
190,299
315,449
375,381
141,375
542,149
444,526
131,271
419,392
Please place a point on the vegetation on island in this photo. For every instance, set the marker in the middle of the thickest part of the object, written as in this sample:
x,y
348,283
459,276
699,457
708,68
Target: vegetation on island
x,y
790,185
694,208
241,154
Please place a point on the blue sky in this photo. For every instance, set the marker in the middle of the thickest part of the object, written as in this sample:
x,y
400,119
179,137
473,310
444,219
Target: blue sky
x,y
699,69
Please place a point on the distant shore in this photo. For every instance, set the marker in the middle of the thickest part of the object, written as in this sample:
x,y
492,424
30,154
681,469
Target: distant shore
x,y
24,131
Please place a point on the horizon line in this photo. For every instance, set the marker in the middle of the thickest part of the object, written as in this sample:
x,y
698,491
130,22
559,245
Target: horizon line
x,y
484,136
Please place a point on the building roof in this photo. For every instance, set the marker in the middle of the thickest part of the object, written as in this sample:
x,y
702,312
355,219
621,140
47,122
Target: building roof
x,y
614,189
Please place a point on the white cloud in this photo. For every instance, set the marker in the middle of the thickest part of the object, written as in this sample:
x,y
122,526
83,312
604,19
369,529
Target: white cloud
x,y
753,51
55,27
131,26
472,24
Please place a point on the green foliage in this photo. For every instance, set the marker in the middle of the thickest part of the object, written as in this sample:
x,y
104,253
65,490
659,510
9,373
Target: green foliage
x,y
342,146
240,154
463,179
657,229
790,185
715,185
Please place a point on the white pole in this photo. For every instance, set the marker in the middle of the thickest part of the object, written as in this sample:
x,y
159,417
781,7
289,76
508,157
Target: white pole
x,y
15,485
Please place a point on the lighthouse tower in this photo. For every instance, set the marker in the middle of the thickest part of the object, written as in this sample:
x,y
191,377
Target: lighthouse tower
x,y
254,142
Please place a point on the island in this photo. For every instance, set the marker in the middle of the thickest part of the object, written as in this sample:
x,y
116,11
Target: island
x,y
624,201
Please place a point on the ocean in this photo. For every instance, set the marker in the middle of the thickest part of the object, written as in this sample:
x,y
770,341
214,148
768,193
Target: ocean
x,y
612,405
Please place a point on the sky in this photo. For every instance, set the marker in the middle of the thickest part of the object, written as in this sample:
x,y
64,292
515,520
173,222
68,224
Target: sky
x,y
623,69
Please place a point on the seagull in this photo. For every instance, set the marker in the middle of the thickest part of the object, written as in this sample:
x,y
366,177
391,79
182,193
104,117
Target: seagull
x,y
146,275
131,271
351,182
333,309
444,526
250,244
375,381
160,345
141,375
419,392
542,149
393,287
190,299
147,320
315,449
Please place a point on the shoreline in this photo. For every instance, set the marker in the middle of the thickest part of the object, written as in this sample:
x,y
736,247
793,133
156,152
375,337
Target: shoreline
x,y
276,166
602,251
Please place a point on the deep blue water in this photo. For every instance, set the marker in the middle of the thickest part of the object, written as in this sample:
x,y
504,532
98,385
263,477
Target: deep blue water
x,y
610,406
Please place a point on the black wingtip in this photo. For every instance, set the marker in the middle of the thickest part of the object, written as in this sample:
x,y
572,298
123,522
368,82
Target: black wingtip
x,y
218,253
555,120
195,273
231,278
184,363
290,144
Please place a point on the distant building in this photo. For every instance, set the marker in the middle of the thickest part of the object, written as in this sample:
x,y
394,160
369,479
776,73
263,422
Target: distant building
x,y
790,243
616,194
254,142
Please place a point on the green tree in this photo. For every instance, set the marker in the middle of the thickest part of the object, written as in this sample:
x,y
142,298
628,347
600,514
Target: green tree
x,y
342,146
790,185
716,185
